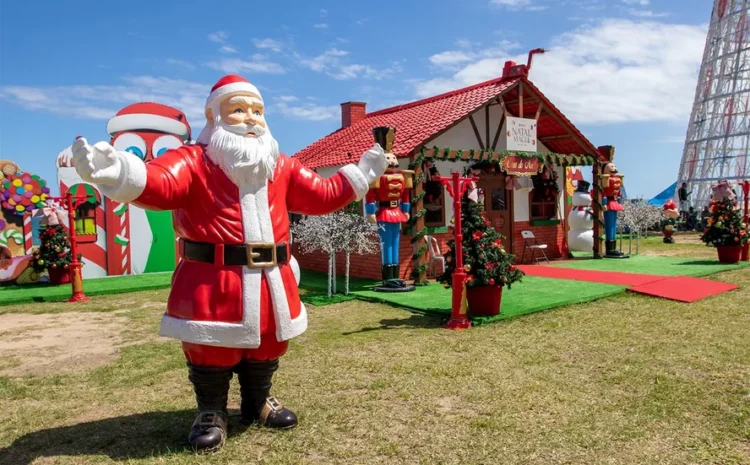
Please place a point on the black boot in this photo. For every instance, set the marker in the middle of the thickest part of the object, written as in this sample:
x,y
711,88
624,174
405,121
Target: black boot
x,y
211,385
255,388
612,249
385,270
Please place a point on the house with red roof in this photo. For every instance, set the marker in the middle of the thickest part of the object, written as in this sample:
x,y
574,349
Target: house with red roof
x,y
505,131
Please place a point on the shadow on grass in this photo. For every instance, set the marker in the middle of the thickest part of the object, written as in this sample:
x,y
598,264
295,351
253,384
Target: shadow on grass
x,y
139,436
417,320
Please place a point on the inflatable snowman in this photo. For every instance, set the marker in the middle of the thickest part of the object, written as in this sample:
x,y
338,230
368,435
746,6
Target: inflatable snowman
x,y
581,220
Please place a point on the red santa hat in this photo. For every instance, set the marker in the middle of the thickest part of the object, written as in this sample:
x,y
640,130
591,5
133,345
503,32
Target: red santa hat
x,y
229,84
149,116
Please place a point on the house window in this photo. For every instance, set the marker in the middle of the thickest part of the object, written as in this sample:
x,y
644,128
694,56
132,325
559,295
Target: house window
x,y
434,204
84,220
543,199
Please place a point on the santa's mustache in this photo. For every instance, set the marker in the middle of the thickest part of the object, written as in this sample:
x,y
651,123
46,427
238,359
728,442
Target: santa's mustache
x,y
243,129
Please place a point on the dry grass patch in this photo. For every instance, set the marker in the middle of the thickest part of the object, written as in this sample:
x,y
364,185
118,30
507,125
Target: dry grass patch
x,y
625,380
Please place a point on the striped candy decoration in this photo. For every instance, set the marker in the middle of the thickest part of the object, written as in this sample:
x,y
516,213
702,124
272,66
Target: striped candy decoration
x,y
9,234
118,238
28,236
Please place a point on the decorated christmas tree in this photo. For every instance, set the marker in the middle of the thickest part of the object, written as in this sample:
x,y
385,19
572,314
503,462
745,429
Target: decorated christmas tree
x,y
724,226
485,260
54,251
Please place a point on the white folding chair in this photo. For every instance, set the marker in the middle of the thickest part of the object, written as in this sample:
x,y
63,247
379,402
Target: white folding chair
x,y
436,256
530,242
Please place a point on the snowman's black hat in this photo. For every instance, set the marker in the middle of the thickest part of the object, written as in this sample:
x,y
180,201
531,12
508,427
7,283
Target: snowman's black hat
x,y
583,186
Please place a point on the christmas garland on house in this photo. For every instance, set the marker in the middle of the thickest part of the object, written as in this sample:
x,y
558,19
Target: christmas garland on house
x,y
489,156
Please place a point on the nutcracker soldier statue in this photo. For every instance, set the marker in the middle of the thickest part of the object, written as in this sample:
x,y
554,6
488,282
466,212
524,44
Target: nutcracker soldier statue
x,y
611,184
388,205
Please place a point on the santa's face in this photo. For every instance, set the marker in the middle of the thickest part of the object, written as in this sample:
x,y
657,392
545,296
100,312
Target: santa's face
x,y
239,140
145,145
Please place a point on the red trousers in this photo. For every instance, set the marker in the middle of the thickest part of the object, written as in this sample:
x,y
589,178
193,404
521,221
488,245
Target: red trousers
x,y
269,349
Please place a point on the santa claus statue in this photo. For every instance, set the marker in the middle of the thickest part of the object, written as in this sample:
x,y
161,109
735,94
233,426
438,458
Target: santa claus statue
x,y
234,302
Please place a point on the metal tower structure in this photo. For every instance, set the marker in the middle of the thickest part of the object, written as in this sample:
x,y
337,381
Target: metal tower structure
x,y
718,134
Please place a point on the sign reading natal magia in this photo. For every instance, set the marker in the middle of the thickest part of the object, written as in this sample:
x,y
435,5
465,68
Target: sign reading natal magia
x,y
520,134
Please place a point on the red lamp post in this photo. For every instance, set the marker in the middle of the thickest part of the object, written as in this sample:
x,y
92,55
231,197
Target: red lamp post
x,y
746,247
456,186
76,281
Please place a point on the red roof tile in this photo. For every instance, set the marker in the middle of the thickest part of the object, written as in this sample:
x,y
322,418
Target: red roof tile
x,y
418,122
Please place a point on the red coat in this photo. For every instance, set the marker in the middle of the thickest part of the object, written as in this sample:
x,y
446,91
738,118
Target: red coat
x,y
229,306
392,189
612,191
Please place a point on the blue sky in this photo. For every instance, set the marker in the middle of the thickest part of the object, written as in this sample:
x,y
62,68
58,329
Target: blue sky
x,y
624,71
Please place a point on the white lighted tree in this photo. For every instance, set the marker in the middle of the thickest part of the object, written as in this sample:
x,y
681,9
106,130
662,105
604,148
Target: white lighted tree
x,y
639,216
339,231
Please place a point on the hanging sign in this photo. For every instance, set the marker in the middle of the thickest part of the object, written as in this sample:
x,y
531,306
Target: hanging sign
x,y
520,134
513,165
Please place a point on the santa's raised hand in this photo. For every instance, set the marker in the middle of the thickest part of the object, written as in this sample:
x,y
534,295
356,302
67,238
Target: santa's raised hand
x,y
373,163
98,164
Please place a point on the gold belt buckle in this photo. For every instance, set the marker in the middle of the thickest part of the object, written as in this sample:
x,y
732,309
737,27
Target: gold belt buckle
x,y
394,203
252,255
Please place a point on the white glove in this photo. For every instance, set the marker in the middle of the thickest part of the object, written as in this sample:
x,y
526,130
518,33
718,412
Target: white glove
x,y
373,163
99,164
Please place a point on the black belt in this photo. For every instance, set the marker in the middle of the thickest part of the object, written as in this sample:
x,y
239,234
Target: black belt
x,y
391,204
250,255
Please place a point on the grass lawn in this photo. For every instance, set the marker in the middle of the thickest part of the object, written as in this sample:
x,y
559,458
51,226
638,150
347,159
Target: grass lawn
x,y
627,379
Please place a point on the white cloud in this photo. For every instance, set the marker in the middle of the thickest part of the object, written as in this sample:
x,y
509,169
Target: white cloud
x,y
511,3
323,13
180,63
636,2
320,26
325,60
102,102
517,5
270,44
219,37
452,59
614,71
227,49
257,65
647,14
309,111
288,98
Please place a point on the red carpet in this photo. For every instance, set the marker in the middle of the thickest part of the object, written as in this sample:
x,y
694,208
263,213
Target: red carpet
x,y
683,288
604,277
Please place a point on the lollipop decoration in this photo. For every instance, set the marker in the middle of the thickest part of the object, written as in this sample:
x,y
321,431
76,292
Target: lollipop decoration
x,y
24,192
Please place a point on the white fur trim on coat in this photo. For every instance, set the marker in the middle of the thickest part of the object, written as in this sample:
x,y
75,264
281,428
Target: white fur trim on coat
x,y
257,227
356,178
294,264
132,179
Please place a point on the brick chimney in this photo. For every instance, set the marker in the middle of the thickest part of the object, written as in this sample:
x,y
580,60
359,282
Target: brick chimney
x,y
352,113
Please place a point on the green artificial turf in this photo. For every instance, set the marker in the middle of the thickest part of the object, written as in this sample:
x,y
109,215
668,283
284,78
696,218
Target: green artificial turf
x,y
531,295
114,285
654,265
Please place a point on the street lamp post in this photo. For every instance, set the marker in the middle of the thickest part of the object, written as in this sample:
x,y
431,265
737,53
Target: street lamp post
x,y
76,281
456,186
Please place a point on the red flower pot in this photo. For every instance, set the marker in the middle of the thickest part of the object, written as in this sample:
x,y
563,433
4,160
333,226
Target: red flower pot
x,y
59,276
729,253
484,300
746,252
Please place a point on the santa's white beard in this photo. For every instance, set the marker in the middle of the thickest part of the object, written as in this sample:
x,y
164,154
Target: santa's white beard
x,y
247,161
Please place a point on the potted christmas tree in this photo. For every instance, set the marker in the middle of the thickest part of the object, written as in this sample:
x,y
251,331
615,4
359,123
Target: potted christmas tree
x,y
488,266
54,254
724,228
